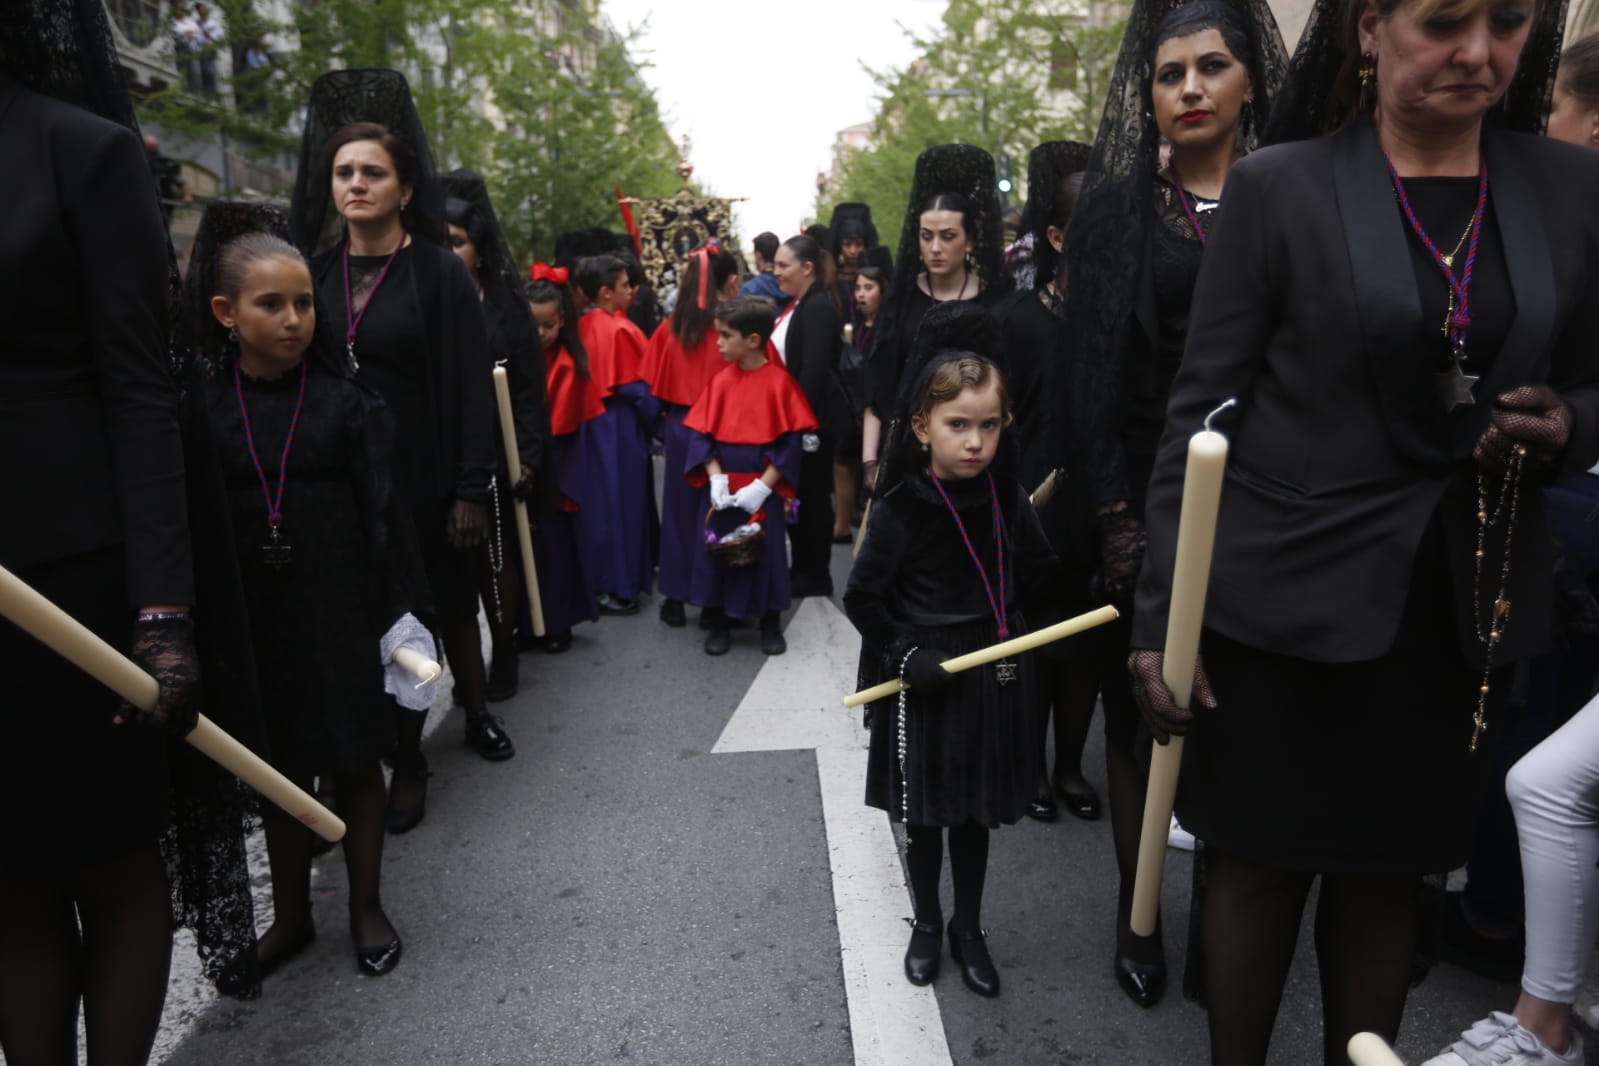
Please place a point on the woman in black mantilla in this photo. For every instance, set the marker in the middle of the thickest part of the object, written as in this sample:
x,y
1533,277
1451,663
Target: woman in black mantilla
x,y
1200,75
953,560
950,248
476,237
298,437
1383,550
413,332
1034,340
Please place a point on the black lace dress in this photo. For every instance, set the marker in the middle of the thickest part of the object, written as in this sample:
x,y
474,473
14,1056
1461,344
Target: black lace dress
x,y
317,621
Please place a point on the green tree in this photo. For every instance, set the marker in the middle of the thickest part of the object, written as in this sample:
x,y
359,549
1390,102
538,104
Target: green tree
x,y
1001,74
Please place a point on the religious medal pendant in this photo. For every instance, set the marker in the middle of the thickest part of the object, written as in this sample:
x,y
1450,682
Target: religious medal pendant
x,y
1005,671
276,552
1454,384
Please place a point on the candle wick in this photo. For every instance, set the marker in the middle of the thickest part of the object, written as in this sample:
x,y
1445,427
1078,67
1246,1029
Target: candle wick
x,y
1208,418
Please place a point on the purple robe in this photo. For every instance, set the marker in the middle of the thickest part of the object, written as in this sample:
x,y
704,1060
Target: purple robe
x,y
745,591
566,581
623,486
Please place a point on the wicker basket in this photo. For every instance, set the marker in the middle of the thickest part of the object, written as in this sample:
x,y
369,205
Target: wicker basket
x,y
732,553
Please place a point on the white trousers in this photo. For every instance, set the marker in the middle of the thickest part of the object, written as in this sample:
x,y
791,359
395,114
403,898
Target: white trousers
x,y
1554,792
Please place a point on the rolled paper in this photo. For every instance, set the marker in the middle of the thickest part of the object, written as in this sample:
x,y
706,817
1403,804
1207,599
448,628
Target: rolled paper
x,y
860,534
70,639
1045,491
1369,1049
417,665
1196,537
524,532
994,652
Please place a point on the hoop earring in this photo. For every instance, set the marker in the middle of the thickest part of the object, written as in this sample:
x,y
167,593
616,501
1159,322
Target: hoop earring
x,y
1368,82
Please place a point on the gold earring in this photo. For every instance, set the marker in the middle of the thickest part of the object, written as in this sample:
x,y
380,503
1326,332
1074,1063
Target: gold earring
x,y
1368,80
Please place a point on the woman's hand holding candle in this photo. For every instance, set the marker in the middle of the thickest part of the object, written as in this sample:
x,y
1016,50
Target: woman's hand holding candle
x,y
163,646
1163,715
925,673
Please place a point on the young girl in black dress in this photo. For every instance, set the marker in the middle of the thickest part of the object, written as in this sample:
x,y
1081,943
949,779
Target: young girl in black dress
x,y
950,559
329,562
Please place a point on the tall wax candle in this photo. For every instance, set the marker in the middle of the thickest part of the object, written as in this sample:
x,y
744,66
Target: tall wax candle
x,y
524,532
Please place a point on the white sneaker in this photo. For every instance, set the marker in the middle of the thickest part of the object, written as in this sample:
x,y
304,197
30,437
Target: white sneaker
x,y
1178,837
1499,1040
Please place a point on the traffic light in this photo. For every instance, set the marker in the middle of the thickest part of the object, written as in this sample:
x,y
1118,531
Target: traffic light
x,y
1005,185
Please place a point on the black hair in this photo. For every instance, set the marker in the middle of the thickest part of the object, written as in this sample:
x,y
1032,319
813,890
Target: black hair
x,y
463,213
749,314
598,272
690,321
766,245
399,151
959,203
635,269
547,292
808,249
1197,16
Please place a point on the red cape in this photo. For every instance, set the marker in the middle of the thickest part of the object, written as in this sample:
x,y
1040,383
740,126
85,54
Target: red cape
x,y
572,400
674,375
750,406
614,353
632,327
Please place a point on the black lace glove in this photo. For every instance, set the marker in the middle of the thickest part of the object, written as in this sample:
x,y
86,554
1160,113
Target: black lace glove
x,y
468,524
1532,416
1161,713
924,674
523,489
1122,542
164,648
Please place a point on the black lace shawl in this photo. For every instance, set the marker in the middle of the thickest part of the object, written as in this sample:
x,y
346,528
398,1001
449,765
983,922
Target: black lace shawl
x,y
1048,165
64,49
1321,93
851,220
339,98
495,261
1111,225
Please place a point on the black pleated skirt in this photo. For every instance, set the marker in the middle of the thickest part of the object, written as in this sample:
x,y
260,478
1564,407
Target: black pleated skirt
x,y
76,790
971,754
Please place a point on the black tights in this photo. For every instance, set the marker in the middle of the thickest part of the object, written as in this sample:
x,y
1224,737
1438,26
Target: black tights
x,y
968,868
1365,934
103,933
1066,693
289,847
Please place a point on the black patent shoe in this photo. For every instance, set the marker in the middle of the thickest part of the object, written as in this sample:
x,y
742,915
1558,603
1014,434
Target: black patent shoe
x,y
488,738
772,642
921,958
1082,802
375,962
1042,807
970,952
408,795
504,676
1143,979
610,604
243,974
672,613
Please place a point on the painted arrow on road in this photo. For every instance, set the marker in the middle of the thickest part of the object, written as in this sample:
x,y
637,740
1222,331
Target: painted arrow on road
x,y
795,704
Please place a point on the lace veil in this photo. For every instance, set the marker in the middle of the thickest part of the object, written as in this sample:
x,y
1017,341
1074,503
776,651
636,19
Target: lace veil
x,y
64,49
339,98
1048,165
494,252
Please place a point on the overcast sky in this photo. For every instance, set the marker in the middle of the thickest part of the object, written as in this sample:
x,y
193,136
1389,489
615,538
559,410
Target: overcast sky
x,y
762,87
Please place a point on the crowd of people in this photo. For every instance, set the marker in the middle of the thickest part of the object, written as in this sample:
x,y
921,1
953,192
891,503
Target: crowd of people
x,y
258,484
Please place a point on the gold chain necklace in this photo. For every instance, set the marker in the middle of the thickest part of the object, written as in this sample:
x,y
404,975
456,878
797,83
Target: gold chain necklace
x,y
1508,503
1449,261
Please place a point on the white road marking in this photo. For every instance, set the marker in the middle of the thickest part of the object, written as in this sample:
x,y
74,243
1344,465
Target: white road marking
x,y
794,704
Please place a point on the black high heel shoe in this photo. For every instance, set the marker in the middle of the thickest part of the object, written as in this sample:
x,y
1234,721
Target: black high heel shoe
x,y
922,957
1142,979
375,962
970,952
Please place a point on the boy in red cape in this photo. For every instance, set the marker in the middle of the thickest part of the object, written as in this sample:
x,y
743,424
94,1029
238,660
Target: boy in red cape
x,y
749,429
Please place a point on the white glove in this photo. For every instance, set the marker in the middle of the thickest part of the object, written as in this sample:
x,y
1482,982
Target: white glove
x,y
720,497
752,497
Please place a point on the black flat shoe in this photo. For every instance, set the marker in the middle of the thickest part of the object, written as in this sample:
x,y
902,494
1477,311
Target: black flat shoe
x,y
970,952
1042,807
1143,982
556,643
921,958
375,962
408,795
672,613
488,738
610,604
1083,803
246,970
772,642
504,676
718,642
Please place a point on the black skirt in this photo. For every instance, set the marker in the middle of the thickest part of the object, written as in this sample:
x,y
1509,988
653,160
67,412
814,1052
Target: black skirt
x,y
971,753
77,790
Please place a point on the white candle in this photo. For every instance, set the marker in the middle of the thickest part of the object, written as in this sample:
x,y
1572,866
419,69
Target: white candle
x,y
417,665
524,532
1369,1049
1196,537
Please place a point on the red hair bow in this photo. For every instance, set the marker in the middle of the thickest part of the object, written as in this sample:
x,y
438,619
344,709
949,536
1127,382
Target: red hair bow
x,y
703,255
553,275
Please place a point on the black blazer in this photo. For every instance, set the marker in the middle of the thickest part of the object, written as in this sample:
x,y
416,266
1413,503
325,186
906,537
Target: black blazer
x,y
88,408
811,352
1341,454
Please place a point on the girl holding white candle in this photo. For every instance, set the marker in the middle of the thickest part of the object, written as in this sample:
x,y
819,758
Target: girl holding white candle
x,y
1382,550
954,559
304,450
